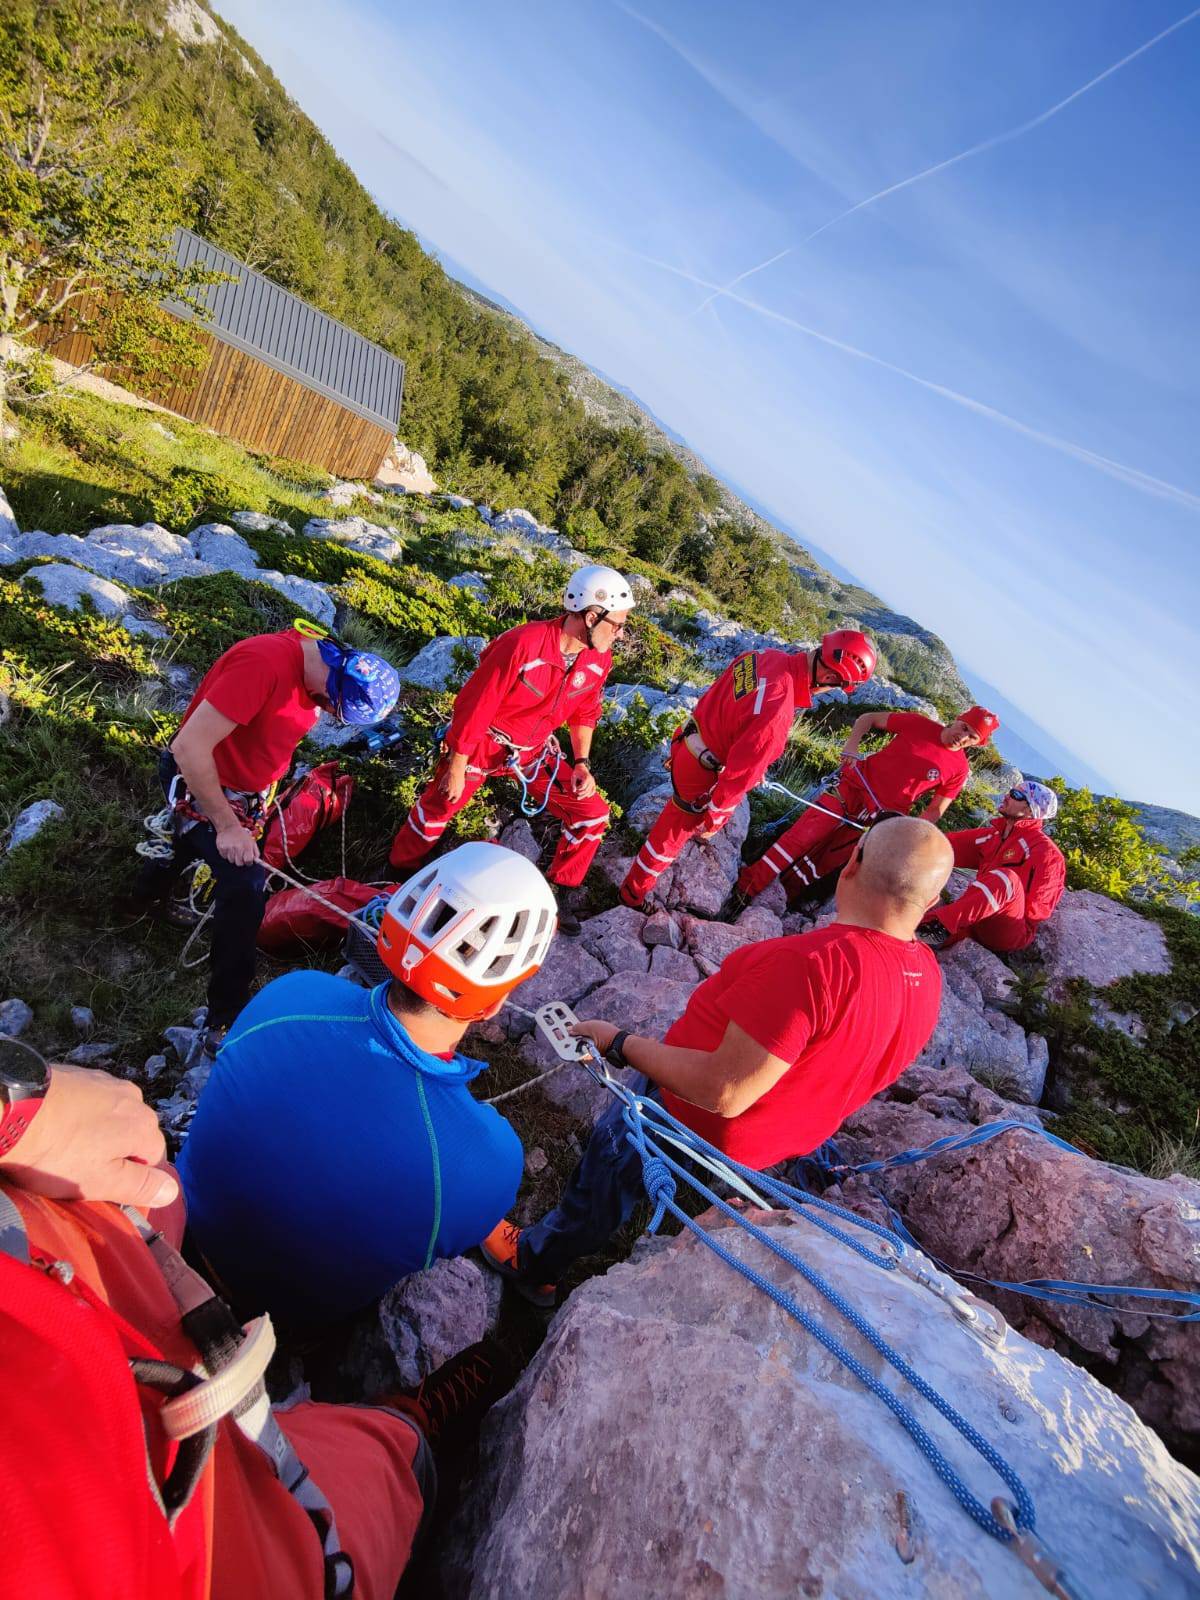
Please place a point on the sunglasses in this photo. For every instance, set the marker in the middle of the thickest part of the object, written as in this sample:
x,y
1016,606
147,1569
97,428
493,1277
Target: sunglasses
x,y
1018,794
618,628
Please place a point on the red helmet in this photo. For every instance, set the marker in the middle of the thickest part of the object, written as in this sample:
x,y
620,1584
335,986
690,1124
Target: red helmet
x,y
980,721
848,653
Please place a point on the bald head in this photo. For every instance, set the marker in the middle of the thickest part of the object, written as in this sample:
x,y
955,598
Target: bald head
x,y
903,868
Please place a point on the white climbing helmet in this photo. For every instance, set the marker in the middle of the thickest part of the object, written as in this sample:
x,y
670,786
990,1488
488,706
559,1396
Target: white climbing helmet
x,y
468,928
598,586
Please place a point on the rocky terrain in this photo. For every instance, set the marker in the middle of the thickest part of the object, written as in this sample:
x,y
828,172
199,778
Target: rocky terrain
x,y
676,1434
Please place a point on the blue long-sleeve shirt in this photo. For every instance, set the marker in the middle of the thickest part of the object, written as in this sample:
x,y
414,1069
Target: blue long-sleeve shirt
x,y
329,1156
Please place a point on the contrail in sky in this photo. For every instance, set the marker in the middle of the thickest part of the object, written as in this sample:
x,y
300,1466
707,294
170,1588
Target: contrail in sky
x,y
1115,469
951,161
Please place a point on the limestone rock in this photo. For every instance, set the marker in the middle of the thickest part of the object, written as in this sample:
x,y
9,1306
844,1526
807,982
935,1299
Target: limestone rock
x,y
314,597
971,1033
66,586
83,1019
660,927
749,1461
152,1066
618,697
1017,1208
9,532
225,550
259,522
15,1017
472,582
706,870
615,938
27,824
518,836
144,627
1090,936
567,973
356,533
710,942
636,1000
668,963
433,666
8,555
432,1315
149,540
91,1055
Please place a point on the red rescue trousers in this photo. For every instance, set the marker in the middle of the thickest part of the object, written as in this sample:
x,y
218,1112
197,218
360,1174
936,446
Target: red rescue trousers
x,y
674,826
816,843
991,910
584,820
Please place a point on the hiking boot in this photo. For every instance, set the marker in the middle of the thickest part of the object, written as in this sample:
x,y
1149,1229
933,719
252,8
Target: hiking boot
x,y
934,934
451,1402
499,1250
570,903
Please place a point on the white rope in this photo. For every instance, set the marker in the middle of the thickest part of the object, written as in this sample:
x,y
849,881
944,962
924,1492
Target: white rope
x,y
772,787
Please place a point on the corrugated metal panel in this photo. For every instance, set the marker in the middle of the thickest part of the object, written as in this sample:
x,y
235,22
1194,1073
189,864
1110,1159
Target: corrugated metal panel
x,y
258,317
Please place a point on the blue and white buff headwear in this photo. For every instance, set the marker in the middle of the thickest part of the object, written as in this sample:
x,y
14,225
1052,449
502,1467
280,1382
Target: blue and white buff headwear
x,y
362,687
1042,802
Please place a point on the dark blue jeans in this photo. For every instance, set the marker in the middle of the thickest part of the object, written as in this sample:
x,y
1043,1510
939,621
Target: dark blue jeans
x,y
239,899
600,1195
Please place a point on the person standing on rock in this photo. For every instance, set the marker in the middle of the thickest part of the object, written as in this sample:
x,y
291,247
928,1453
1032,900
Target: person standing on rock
x,y
235,741
337,1147
530,681
922,756
771,1054
739,727
106,1336
1020,876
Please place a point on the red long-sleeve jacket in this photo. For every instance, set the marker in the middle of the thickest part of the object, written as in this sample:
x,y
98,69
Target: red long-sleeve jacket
x,y
745,717
1026,847
522,689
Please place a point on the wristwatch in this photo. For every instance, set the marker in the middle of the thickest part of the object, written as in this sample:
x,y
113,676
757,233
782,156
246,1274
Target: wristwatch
x,y
615,1054
24,1079
582,761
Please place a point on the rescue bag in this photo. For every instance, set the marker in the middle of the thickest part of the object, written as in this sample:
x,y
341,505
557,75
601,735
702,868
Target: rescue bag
x,y
313,802
297,917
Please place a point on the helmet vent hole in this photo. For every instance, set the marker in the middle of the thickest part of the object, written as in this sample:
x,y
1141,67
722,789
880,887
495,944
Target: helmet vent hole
x,y
440,917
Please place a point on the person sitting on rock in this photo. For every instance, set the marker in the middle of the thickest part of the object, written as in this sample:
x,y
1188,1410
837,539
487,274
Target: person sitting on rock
x,y
772,1053
530,681
337,1147
739,727
106,1333
921,756
1020,875
236,740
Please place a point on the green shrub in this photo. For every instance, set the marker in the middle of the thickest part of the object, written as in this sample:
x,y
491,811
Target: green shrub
x,y
1104,846
35,635
207,615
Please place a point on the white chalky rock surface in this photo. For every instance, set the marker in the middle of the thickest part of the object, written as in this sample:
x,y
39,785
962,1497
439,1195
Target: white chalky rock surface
x,y
678,1436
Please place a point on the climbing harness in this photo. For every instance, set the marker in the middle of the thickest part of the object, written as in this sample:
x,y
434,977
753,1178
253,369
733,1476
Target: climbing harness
x,y
229,1383
551,751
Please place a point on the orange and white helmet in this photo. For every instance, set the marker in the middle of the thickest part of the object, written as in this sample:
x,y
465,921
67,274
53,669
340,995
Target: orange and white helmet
x,y
468,928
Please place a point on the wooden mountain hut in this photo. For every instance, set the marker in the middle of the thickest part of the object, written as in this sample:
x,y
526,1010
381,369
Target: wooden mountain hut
x,y
281,376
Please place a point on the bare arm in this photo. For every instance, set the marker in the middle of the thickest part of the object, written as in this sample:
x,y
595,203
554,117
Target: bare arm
x,y
867,723
193,748
581,744
936,808
727,1080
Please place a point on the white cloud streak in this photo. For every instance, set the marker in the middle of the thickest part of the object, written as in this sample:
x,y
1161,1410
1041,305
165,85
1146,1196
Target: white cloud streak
x,y
940,166
1131,476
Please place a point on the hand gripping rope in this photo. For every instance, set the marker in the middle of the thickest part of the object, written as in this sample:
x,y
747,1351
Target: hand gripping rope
x,y
649,1127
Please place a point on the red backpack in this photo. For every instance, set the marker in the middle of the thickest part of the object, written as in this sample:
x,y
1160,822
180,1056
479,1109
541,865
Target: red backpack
x,y
296,816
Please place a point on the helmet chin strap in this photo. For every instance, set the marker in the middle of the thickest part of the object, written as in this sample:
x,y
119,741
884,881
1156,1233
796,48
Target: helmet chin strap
x,y
590,629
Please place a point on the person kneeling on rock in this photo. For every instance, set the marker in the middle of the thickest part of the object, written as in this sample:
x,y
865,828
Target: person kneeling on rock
x,y
771,1054
337,1147
1019,878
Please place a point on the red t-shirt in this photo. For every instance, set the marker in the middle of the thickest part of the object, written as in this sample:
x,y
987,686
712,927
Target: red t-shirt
x,y
259,684
914,761
851,1008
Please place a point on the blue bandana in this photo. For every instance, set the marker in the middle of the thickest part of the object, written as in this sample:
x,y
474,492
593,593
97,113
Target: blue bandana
x,y
362,688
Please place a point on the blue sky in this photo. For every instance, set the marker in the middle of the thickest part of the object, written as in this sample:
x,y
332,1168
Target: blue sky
x,y
980,392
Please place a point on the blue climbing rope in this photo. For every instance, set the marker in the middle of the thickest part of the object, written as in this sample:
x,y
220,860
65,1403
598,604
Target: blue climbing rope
x,y
1065,1291
659,1173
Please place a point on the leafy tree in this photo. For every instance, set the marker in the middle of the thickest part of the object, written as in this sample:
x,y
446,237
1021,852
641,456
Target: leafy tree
x,y
1104,847
90,190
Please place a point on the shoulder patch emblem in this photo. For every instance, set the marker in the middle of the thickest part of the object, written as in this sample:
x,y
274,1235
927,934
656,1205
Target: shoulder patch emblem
x,y
745,676
933,774
578,680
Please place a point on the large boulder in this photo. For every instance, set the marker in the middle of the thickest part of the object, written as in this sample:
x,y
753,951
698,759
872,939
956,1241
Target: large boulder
x,y
973,1033
1017,1208
434,665
619,697
1090,936
616,938
568,973
9,531
150,541
678,1435
224,550
706,869
69,586
313,597
710,942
